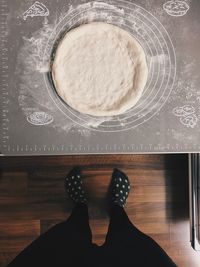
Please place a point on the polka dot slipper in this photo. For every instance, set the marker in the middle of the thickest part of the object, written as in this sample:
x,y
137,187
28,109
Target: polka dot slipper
x,y
74,186
120,187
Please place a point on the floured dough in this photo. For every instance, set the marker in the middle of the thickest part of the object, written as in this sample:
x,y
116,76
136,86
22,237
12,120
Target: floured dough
x,y
99,69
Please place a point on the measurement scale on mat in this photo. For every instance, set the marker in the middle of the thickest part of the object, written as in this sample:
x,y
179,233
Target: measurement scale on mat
x,y
98,149
4,75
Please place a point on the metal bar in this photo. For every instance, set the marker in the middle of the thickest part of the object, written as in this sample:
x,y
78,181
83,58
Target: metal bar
x,y
194,183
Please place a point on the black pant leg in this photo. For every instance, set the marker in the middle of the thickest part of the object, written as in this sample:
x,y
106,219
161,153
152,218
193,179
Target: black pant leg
x,y
65,244
130,247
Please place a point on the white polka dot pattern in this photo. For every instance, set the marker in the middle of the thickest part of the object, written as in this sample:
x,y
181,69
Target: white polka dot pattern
x,y
120,187
74,186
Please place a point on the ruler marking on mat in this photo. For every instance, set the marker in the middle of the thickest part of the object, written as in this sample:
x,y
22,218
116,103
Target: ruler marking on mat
x,y
4,77
89,149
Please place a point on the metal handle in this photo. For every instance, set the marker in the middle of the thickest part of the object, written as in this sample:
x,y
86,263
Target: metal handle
x,y
194,187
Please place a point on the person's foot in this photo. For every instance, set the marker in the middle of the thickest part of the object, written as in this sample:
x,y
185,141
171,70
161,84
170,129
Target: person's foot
x,y
119,188
74,186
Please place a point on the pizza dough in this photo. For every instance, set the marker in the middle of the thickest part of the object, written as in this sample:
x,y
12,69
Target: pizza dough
x,y
99,69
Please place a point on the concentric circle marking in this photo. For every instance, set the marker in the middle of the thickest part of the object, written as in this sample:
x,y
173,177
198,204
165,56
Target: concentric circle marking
x,y
160,54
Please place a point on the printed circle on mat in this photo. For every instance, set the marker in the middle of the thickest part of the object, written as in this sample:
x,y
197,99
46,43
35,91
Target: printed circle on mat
x,y
159,53
40,118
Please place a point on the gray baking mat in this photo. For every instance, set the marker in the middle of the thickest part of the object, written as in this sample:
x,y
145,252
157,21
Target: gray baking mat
x,y
35,121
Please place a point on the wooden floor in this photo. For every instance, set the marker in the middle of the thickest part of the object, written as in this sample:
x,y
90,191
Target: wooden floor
x,y
32,199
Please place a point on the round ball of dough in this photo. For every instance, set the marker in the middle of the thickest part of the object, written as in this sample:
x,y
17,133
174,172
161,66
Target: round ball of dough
x,y
99,69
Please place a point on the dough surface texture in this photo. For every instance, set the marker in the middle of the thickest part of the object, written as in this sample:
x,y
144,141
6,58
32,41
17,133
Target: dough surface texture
x,y
99,69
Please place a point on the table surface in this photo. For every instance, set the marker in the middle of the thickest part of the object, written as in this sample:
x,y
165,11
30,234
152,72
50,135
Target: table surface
x,y
36,122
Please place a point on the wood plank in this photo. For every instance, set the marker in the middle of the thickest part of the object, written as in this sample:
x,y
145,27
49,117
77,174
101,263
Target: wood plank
x,y
18,228
13,182
94,161
15,244
6,258
16,235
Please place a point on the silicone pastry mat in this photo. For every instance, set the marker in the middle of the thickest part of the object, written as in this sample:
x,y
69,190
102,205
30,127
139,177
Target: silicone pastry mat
x,y
34,120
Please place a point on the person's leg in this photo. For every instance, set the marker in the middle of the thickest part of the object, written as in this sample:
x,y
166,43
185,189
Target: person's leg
x,y
126,244
65,244
132,245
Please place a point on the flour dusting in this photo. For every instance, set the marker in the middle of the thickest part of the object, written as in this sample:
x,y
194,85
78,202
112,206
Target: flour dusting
x,y
37,93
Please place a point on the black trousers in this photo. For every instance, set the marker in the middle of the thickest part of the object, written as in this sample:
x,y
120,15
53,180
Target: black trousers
x,y
70,244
